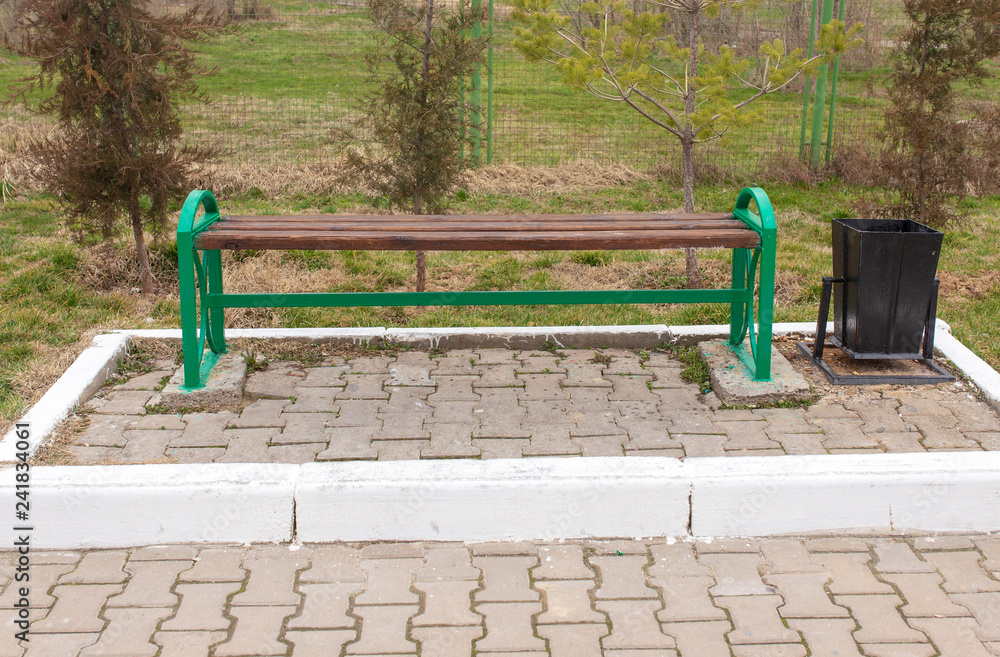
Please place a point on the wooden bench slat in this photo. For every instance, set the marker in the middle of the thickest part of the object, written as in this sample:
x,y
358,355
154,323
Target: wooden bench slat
x,y
337,226
480,240
486,218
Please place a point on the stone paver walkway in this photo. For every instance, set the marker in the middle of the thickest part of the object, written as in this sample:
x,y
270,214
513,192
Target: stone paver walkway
x,y
787,597
490,403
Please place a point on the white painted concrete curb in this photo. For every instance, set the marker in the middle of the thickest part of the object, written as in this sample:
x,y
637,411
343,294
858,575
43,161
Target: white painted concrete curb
x,y
126,505
503,499
109,506
80,380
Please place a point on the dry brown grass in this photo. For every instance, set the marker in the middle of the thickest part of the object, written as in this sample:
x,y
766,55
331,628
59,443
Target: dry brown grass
x,y
514,180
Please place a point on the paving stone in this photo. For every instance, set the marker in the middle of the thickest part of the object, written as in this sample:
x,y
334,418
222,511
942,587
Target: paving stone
x,y
844,434
953,637
43,578
990,547
634,625
973,415
650,435
400,450
324,377
939,435
670,453
406,400
498,376
105,431
446,564
388,582
184,644
541,387
735,574
574,640
788,556
248,445
56,644
588,400
899,442
95,455
698,445
128,634
836,544
148,381
601,445
667,377
333,564
879,618
622,578
458,362
98,567
987,440
383,630
851,573
550,412
551,440
446,641
823,409
746,435
497,356
503,548
393,550
788,420
986,609
453,388
161,422
878,414
275,382
451,412
508,627
261,413
693,422
77,609
568,602
357,413
595,425
756,620
370,364
501,448
805,596
679,399
447,603
314,400
204,430
585,375
367,386
149,584
827,637
637,411
619,546
47,557
318,643
727,545
631,388
303,428
295,453
195,454
676,560
561,562
164,553
540,363
505,579
216,565
700,639
413,370
124,402
899,650
272,575
349,444
924,595
962,572
146,446
325,606
202,607
256,632
770,650
942,543
450,441
898,557
403,427
914,405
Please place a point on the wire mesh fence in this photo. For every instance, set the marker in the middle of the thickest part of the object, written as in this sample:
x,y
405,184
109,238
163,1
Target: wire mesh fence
x,y
291,77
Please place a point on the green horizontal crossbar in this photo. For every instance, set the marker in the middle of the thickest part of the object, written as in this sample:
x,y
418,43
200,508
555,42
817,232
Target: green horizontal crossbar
x,y
492,298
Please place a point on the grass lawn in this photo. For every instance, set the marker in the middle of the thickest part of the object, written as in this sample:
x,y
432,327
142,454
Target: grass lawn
x,y
55,293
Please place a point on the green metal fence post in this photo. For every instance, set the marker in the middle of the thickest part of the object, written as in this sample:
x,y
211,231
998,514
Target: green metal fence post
x,y
819,106
489,91
833,91
805,92
476,95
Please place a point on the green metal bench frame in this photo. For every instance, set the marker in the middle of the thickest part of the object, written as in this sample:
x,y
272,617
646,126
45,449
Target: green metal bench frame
x,y
201,280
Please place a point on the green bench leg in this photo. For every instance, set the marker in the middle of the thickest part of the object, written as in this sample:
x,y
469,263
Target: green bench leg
x,y
738,310
216,316
189,314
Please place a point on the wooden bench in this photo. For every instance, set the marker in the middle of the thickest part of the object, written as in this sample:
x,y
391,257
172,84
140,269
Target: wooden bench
x,y
202,237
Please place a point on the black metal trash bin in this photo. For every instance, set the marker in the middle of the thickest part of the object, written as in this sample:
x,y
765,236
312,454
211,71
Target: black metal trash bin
x,y
888,267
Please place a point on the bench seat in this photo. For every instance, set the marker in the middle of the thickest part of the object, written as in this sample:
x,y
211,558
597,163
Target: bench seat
x,y
539,232
203,233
